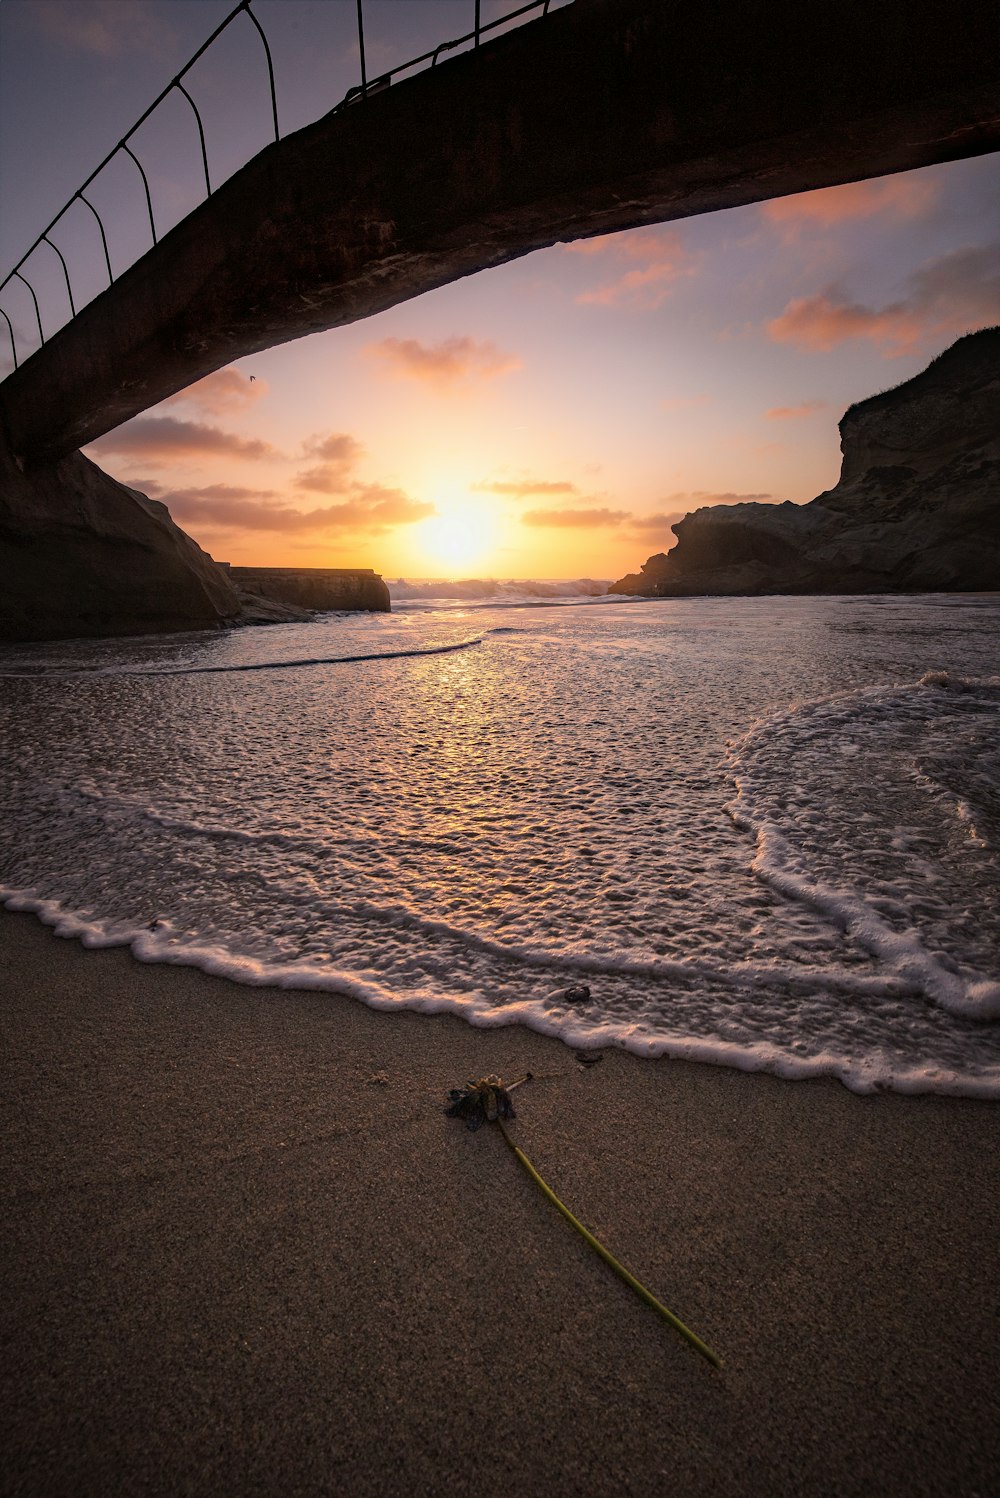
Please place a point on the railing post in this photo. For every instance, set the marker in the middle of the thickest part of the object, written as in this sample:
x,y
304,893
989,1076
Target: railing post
x,y
69,289
104,237
201,134
10,327
149,201
361,49
270,67
38,315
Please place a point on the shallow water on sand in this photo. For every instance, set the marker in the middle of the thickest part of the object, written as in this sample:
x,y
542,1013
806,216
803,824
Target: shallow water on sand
x,y
763,832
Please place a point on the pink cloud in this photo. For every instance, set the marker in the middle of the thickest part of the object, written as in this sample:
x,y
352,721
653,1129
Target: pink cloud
x,y
582,519
521,488
659,257
793,413
443,364
223,390
901,197
165,437
953,294
372,509
340,453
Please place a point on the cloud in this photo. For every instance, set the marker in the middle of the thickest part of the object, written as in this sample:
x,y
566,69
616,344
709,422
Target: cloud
x,y
372,508
152,488
582,519
697,499
340,453
901,197
443,364
953,294
657,525
659,260
106,28
223,390
792,413
335,447
685,402
167,437
521,488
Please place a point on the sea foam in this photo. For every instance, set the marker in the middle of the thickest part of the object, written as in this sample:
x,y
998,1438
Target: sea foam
x,y
485,831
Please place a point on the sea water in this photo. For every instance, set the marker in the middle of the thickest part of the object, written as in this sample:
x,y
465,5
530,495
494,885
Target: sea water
x,y
758,832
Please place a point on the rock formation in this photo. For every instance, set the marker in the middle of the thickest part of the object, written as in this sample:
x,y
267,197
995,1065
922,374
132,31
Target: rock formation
x,y
82,555
320,588
916,509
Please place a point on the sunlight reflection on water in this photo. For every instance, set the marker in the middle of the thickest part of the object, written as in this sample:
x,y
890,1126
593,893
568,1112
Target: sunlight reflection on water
x,y
481,830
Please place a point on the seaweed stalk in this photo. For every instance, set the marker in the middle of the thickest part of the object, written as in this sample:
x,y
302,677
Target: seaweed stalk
x,y
609,1258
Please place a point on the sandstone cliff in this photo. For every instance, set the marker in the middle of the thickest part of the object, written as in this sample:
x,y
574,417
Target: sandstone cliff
x,y
916,509
81,554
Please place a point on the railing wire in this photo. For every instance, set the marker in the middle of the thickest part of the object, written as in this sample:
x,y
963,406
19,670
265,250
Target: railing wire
x,y
359,92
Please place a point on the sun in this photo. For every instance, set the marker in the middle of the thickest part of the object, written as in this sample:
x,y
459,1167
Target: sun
x,y
461,536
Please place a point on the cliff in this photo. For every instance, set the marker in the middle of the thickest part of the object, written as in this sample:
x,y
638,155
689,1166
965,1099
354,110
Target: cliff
x,y
322,588
84,556
916,509
81,554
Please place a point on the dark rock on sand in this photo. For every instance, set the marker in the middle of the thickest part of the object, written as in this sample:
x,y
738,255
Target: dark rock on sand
x,y
917,507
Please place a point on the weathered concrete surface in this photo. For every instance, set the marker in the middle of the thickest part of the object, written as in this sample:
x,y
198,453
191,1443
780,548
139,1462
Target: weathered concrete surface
x,y
323,588
82,555
603,116
917,507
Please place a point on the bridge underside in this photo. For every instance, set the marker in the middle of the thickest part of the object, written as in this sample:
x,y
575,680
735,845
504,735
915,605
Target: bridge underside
x,y
604,116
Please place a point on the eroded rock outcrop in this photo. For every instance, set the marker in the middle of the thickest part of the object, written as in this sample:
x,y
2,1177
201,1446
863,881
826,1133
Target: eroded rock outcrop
x,y
917,507
82,555
356,589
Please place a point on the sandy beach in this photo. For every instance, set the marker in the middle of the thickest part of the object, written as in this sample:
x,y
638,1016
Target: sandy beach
x,y
247,1253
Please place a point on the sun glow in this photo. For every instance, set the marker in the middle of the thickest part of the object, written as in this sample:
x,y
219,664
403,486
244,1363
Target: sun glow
x,y
462,535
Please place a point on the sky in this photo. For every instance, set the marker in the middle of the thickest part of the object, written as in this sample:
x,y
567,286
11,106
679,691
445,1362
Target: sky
x,y
550,418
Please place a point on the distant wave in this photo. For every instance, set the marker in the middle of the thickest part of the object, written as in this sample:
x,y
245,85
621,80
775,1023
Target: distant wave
x,y
480,589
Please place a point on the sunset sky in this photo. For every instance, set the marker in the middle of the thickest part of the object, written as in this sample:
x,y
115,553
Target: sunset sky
x,y
551,418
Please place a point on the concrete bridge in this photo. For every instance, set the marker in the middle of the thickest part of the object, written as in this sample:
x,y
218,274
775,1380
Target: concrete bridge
x,y
605,115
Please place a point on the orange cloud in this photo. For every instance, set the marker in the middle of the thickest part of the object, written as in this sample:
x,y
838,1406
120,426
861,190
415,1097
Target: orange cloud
x,y
372,509
792,413
902,197
223,390
954,294
443,364
583,519
340,452
520,488
657,525
165,437
661,260
697,499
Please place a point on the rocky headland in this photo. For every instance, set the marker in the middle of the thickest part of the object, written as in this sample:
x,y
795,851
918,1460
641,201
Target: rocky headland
x,y
82,555
916,509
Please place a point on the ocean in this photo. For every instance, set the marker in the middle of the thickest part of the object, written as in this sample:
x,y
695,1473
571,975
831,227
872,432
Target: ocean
x,y
762,833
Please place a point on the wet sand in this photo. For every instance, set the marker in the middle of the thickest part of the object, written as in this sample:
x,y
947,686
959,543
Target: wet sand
x,y
246,1253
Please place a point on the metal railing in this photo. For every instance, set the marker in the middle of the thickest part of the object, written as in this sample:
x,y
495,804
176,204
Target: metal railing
x,y
359,93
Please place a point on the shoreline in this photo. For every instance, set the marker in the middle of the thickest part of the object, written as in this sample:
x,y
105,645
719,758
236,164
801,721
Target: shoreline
x,y
247,1252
